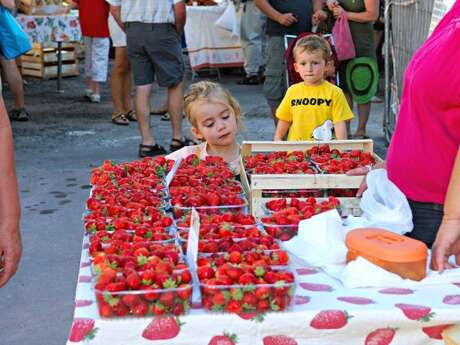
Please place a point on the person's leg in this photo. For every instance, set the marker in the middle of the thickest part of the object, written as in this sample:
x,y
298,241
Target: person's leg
x,y
88,42
350,104
99,65
15,83
142,106
126,82
275,83
363,114
117,82
176,106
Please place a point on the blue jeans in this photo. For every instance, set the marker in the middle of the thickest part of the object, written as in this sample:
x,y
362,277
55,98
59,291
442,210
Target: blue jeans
x,y
427,218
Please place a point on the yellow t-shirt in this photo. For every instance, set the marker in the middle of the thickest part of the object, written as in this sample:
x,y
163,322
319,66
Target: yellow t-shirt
x,y
308,107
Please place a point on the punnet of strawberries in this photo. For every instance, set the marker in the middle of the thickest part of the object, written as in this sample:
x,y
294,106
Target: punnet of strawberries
x,y
238,288
142,284
298,193
318,159
258,258
283,222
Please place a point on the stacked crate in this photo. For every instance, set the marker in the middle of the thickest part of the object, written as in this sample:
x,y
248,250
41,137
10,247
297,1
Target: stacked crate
x,y
42,61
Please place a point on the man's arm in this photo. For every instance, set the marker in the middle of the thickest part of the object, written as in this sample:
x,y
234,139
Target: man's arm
x,y
180,12
10,238
285,19
115,11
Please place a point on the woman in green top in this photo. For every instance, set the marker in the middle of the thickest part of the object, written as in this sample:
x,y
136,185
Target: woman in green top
x,y
361,15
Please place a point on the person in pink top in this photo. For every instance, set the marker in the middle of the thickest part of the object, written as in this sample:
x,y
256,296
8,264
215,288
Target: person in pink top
x,y
214,115
423,159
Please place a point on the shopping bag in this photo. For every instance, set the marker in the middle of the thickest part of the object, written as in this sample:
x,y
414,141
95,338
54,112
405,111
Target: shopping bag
x,y
344,46
229,20
13,41
384,205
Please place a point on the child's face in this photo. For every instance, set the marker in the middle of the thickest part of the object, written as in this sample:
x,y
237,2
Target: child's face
x,y
215,123
310,65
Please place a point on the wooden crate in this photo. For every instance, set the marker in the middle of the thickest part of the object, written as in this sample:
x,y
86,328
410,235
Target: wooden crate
x,y
258,182
40,6
41,61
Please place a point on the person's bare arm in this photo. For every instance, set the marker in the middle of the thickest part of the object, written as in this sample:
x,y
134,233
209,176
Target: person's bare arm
x,y
10,238
340,129
448,238
369,15
285,19
9,4
281,129
115,11
180,12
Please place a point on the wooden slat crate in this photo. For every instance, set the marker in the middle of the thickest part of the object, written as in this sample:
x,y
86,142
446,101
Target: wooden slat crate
x,y
42,61
40,6
257,183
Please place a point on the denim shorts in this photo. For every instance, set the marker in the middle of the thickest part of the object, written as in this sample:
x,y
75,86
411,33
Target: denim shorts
x,y
427,218
154,51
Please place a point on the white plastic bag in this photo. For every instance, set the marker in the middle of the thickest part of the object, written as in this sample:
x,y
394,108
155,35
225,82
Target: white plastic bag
x,y
229,20
384,205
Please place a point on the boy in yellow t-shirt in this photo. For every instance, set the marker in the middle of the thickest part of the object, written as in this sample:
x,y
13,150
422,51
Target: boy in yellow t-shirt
x,y
314,104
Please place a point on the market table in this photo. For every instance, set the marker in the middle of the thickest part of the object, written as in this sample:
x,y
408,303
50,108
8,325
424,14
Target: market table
x,y
45,29
209,45
324,313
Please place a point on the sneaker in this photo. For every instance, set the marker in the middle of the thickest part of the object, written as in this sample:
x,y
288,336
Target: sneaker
x,y
95,98
19,115
88,94
249,80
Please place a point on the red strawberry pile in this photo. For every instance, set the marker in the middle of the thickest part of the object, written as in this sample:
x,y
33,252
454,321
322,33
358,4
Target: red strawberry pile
x,y
226,245
257,258
322,157
338,162
238,288
283,222
207,185
342,193
297,193
143,283
278,163
219,226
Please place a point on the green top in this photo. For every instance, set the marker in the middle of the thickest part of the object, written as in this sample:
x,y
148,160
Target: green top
x,y
363,35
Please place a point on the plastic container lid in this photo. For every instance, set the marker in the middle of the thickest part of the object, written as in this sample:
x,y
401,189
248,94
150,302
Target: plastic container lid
x,y
386,245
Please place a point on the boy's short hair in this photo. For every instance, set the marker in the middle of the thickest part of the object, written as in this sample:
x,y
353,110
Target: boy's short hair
x,y
311,43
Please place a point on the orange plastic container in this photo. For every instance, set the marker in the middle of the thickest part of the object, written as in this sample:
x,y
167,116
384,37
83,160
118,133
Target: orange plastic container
x,y
398,254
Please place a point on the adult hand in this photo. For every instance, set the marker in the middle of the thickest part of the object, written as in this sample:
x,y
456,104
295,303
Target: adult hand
x,y
337,11
319,16
287,19
363,171
10,249
447,243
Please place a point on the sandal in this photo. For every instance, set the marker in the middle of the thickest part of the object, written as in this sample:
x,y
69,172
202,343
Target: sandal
x,y
159,111
131,116
120,120
19,115
151,150
177,144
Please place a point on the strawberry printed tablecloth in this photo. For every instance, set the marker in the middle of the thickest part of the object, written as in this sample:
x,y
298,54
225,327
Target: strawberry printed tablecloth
x,y
52,28
324,313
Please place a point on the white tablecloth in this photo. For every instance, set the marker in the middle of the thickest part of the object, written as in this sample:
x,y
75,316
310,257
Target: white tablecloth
x,y
349,316
208,45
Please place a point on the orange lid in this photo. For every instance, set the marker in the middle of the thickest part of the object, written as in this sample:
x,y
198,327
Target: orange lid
x,y
386,245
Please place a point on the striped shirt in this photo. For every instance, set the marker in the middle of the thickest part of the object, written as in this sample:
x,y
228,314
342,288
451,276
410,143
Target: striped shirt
x,y
146,11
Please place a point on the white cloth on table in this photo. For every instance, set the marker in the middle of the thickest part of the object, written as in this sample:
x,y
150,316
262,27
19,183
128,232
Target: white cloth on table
x,y
96,58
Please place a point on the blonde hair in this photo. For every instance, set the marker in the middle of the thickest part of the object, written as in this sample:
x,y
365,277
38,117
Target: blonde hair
x,y
311,43
207,90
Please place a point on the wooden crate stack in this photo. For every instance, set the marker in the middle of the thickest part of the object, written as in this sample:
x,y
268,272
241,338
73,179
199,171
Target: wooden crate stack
x,y
256,184
42,61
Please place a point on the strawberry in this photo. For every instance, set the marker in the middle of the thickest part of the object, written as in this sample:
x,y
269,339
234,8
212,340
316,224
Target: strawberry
x,y
279,340
141,309
254,316
234,307
416,312
451,299
356,300
162,328
380,336
226,339
330,319
435,332
82,329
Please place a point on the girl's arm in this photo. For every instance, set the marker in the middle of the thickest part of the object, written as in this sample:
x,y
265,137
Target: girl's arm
x,y
448,239
369,15
10,238
281,129
340,129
